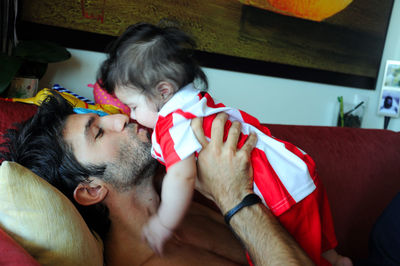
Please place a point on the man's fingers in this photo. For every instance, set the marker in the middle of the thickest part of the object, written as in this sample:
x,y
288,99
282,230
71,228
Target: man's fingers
x,y
250,143
233,135
197,127
217,128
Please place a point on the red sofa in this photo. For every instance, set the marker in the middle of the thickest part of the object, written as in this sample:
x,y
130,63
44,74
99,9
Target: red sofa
x,y
360,169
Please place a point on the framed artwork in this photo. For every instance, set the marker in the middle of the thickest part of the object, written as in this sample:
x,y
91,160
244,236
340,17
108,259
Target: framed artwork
x,y
336,42
389,100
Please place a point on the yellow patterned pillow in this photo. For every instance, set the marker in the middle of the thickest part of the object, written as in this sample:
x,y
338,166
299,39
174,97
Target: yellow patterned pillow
x,y
43,221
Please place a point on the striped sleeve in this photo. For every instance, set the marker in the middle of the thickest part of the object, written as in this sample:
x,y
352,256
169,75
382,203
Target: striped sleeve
x,y
175,138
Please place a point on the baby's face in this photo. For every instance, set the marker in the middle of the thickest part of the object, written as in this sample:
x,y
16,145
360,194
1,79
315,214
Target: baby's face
x,y
143,109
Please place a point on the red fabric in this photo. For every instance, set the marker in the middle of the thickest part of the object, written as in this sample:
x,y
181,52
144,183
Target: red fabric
x,y
360,170
13,112
313,228
164,137
275,182
12,253
280,178
269,183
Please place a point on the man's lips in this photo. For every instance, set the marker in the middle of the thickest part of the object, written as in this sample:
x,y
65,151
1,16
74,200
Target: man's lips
x,y
142,130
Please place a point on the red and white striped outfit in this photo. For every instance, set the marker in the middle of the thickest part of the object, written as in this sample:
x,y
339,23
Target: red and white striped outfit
x,y
284,176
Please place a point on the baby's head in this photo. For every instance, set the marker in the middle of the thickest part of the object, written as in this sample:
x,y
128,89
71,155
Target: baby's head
x,y
146,65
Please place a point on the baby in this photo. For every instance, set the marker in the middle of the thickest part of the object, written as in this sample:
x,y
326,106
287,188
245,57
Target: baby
x,y
151,70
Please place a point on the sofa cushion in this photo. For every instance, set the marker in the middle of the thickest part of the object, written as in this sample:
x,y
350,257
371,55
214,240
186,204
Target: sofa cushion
x,y
16,255
11,113
360,170
43,221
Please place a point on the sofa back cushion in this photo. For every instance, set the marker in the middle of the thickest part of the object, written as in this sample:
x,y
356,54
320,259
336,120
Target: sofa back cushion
x,y
360,169
12,113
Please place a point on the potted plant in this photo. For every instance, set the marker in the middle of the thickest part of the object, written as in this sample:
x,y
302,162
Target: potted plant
x,y
29,60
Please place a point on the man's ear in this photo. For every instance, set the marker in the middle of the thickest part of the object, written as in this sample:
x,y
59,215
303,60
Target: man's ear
x,y
90,193
165,89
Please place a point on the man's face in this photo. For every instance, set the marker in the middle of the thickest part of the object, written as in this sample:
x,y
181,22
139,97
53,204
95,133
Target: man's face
x,y
388,102
124,148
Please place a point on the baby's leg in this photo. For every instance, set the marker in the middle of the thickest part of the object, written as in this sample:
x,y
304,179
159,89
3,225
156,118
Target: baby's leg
x,y
335,259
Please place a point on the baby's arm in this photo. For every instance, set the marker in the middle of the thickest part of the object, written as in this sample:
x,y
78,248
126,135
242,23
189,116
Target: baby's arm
x,y
176,195
177,192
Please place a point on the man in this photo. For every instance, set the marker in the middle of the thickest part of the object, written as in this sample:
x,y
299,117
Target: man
x,y
103,165
389,106
384,239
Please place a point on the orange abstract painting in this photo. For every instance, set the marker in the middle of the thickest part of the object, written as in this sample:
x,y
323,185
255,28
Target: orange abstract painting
x,y
334,36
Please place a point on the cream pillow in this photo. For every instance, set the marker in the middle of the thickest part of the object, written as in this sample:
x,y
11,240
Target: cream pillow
x,y
43,221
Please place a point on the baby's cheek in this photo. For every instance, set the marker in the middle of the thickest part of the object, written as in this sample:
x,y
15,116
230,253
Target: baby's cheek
x,y
146,119
152,119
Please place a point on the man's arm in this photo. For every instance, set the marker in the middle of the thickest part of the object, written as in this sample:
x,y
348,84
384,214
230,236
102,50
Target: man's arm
x,y
224,175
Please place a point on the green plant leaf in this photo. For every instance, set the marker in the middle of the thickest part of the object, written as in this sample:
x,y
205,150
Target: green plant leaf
x,y
41,51
9,65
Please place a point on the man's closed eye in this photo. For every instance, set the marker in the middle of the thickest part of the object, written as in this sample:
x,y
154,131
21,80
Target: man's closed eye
x,y
99,133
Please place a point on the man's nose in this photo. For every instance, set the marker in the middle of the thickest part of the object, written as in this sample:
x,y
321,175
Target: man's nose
x,y
115,122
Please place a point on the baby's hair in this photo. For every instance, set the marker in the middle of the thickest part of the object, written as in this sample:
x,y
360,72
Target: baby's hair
x,y
145,55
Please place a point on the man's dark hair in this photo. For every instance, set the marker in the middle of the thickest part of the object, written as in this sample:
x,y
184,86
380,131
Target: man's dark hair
x,y
145,55
38,145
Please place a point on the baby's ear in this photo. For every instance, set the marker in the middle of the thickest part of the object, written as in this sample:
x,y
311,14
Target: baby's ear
x,y
165,89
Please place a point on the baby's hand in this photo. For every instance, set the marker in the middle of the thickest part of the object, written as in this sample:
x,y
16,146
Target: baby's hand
x,y
155,233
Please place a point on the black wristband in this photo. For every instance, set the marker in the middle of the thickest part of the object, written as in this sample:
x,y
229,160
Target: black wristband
x,y
247,201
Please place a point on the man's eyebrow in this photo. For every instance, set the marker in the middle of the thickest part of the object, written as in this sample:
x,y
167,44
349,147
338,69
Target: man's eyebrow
x,y
88,126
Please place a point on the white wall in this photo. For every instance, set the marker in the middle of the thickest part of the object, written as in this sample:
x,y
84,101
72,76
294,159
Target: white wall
x,y
271,100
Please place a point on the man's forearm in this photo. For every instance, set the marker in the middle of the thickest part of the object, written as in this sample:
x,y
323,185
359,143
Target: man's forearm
x,y
267,242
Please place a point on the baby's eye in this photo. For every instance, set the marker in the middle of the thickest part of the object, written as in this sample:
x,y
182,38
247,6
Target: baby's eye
x,y
99,133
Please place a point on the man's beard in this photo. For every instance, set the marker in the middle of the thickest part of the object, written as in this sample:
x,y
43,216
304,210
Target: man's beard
x,y
133,164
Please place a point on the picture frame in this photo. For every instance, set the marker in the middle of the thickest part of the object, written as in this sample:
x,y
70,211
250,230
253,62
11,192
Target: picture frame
x,y
344,49
389,100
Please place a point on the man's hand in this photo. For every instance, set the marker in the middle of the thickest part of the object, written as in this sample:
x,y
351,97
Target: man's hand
x,y
224,172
